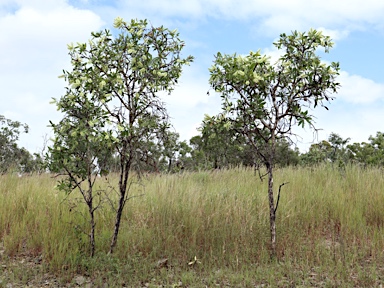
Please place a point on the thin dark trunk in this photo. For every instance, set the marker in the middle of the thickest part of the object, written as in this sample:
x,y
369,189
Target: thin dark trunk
x,y
117,223
272,212
89,201
169,165
92,234
123,182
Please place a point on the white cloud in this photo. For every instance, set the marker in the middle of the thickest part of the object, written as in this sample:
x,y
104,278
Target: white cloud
x,y
191,90
189,101
179,8
33,52
273,53
271,17
34,34
354,122
334,34
356,113
359,90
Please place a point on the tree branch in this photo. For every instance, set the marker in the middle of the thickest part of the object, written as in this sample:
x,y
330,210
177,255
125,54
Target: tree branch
x,y
278,196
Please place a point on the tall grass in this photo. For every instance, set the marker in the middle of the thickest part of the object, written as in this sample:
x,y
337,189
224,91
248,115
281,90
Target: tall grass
x,y
329,222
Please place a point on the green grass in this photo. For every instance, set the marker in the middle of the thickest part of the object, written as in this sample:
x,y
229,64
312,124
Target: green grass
x,y
329,231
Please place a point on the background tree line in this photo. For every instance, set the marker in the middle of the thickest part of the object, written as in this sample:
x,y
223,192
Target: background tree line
x,y
214,148
12,157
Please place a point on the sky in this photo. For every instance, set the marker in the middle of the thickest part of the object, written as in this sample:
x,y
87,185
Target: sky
x,y
35,34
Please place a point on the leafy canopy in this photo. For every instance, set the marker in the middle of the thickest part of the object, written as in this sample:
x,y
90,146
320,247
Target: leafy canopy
x,y
266,99
112,98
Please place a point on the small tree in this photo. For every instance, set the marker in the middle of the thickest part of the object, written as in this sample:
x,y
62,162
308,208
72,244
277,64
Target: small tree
x,y
334,150
113,100
219,144
339,152
79,142
10,154
263,101
317,153
371,153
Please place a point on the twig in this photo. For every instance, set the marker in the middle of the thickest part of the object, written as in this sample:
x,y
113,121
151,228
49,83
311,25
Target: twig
x,y
278,196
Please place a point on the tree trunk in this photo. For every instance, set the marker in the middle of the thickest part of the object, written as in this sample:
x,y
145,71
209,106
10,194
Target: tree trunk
x,y
170,165
272,212
89,200
92,234
123,182
117,223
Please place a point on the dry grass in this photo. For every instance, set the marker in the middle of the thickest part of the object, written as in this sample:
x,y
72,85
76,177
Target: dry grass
x,y
329,223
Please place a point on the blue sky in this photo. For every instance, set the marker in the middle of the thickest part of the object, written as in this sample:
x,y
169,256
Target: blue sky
x,y
35,34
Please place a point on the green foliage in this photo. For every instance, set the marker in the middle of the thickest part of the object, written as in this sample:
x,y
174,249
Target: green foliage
x,y
221,147
79,144
334,150
219,143
80,138
264,100
121,77
317,153
172,151
371,153
285,155
11,156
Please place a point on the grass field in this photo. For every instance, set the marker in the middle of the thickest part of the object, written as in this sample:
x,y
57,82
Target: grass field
x,y
330,232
